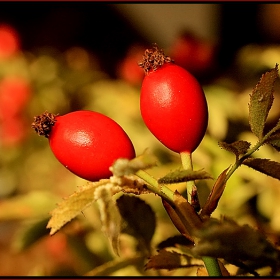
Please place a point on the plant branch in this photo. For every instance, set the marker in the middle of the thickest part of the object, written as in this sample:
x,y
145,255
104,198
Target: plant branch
x,y
239,161
153,185
210,263
186,159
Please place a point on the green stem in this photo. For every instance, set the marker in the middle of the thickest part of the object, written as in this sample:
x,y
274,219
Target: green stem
x,y
212,266
210,263
163,191
186,159
238,162
249,153
153,185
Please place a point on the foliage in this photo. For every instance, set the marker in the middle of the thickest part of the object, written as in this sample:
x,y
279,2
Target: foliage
x,y
142,216
229,241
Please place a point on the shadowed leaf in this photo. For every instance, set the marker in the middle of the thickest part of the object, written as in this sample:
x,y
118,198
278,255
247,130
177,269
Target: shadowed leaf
x,y
139,218
183,215
215,195
30,233
236,244
176,220
174,241
169,260
238,147
180,176
266,166
261,101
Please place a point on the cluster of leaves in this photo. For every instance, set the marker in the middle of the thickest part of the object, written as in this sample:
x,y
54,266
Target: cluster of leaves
x,y
122,210
261,101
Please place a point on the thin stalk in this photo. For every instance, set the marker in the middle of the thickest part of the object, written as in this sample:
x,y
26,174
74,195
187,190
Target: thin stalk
x,y
153,185
163,191
238,162
249,153
186,160
211,264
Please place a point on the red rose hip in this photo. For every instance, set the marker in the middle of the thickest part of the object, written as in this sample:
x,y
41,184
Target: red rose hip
x,y
85,142
172,103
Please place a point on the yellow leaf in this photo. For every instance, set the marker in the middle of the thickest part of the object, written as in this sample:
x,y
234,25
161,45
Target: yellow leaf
x,y
73,205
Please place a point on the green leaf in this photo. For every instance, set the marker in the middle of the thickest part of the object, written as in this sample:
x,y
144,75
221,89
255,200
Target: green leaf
x,y
123,167
73,205
180,176
236,244
215,195
266,166
238,147
169,260
139,218
261,101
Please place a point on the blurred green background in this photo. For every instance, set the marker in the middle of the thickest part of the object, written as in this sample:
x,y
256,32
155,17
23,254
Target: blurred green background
x,y
60,57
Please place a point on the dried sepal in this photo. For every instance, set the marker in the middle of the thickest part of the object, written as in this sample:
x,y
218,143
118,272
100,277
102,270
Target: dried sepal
x,y
43,123
153,59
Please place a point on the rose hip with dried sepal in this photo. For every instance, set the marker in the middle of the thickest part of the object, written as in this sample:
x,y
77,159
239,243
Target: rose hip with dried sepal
x,y
86,142
172,103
